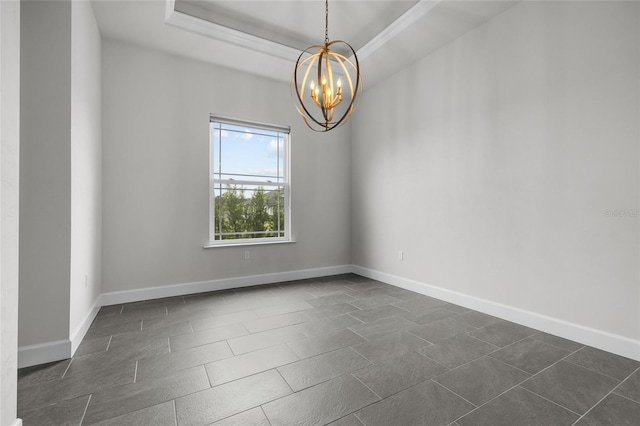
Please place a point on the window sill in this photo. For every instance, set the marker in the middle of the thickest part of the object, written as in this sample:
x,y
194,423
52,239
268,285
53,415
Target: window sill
x,y
244,244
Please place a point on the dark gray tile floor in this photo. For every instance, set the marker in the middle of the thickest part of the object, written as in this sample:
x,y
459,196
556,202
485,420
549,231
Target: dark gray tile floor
x,y
341,350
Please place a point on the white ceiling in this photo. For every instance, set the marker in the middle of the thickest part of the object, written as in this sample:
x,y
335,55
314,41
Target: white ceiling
x,y
265,37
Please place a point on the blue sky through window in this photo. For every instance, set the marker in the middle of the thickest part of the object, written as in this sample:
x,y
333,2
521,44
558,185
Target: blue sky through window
x,y
258,154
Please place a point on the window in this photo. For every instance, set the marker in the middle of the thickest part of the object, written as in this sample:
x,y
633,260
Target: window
x,y
249,182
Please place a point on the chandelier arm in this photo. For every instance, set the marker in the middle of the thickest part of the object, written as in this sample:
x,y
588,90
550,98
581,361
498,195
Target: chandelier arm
x,y
306,112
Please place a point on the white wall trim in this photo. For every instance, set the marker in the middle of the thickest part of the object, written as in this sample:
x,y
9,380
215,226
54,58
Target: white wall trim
x,y
43,353
606,341
78,334
213,285
62,349
18,422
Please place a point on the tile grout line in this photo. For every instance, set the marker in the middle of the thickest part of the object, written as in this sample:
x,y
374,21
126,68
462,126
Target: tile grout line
x,y
604,397
265,415
547,399
175,413
86,407
67,369
109,343
365,385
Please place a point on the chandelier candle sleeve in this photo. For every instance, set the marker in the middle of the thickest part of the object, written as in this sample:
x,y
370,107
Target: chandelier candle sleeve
x,y
323,109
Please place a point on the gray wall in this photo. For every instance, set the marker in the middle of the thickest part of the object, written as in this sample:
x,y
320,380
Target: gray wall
x,y
60,202
492,164
155,173
45,172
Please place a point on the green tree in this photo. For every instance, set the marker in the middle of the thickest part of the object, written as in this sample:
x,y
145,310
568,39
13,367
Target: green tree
x,y
234,211
257,213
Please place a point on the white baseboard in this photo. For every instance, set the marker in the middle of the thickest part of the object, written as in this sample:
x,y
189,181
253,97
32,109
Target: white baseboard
x,y
18,422
63,349
78,334
43,353
609,342
54,351
148,293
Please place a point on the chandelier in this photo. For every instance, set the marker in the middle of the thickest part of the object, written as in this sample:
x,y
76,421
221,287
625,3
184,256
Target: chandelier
x,y
331,74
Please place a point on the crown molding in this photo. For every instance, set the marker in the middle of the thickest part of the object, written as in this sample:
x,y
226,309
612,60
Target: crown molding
x,y
228,35
249,41
404,21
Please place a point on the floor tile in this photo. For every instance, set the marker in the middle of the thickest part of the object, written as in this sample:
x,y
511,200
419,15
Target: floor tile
x,y
156,367
122,354
429,315
442,329
396,374
222,320
613,410
477,319
90,346
108,325
328,325
401,293
390,346
231,398
370,292
518,407
374,301
121,400
325,343
571,386
36,395
374,314
244,365
133,339
530,355
329,311
320,404
281,309
630,388
264,339
419,304
424,404
604,362
263,324
333,299
350,420
174,317
503,333
557,341
190,340
253,417
458,350
382,327
64,413
43,372
481,380
311,371
157,415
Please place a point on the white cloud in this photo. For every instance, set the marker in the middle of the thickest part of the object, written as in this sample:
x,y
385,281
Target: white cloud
x,y
272,149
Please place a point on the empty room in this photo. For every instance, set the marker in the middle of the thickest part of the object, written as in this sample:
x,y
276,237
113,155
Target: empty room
x,y
312,212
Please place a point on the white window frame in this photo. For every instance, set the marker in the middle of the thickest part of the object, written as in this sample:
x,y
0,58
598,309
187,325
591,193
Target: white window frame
x,y
216,182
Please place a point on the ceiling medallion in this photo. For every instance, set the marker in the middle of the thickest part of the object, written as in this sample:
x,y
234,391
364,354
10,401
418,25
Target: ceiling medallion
x,y
330,101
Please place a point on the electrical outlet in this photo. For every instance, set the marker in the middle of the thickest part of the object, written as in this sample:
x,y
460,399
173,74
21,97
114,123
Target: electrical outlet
x,y
400,255
247,255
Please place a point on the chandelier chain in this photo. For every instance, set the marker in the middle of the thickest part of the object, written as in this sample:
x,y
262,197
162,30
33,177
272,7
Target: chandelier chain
x,y
326,22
